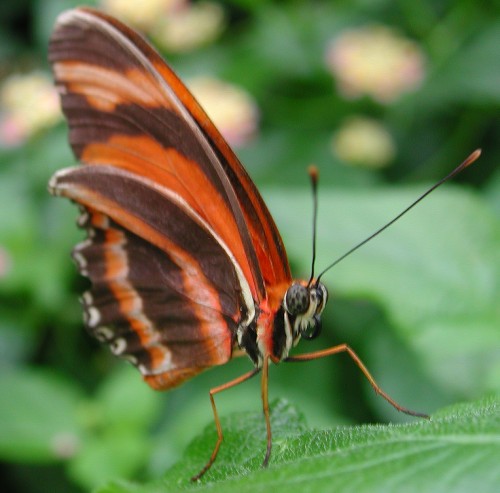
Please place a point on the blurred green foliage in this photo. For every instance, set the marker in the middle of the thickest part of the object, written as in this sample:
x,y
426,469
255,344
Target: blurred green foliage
x,y
419,304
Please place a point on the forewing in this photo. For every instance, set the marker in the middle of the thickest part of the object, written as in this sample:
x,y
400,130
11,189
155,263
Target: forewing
x,y
126,108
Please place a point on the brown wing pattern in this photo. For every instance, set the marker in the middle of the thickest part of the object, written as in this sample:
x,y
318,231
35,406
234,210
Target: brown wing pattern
x,y
168,300
126,108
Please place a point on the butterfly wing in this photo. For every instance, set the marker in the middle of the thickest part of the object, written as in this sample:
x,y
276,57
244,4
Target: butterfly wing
x,y
127,108
180,242
169,298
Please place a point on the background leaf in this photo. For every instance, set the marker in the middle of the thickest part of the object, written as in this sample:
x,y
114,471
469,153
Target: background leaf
x,y
37,416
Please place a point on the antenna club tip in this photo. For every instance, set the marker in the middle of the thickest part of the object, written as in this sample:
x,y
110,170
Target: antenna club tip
x,y
473,157
313,172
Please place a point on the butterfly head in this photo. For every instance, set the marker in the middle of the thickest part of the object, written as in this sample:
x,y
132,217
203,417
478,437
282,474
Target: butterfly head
x,y
303,304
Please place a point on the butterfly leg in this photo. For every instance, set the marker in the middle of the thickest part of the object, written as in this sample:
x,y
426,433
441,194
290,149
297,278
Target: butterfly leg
x,y
220,436
265,406
344,348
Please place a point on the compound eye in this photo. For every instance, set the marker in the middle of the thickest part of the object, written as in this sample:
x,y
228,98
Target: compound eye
x,y
297,299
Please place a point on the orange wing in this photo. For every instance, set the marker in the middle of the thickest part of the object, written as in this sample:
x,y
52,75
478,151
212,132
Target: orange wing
x,y
127,108
181,249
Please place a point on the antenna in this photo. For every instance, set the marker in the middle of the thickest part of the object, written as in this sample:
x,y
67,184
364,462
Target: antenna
x,y
472,157
314,175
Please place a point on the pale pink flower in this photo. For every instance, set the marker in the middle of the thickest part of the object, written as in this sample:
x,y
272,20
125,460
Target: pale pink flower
x,y
65,445
190,27
28,103
143,15
376,61
232,109
13,132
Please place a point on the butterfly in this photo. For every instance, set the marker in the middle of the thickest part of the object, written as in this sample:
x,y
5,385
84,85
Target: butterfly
x,y
187,267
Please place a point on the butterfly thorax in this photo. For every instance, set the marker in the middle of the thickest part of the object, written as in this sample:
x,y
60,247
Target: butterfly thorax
x,y
274,332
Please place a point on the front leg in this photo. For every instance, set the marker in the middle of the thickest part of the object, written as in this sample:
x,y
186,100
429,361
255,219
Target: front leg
x,y
344,348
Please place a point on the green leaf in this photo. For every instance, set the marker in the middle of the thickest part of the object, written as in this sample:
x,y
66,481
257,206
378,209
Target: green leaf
x,y
118,419
459,451
38,413
116,394
113,454
493,192
478,57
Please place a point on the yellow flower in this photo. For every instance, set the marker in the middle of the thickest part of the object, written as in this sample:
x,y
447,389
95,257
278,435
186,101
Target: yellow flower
x,y
186,29
364,142
377,61
145,14
232,110
28,103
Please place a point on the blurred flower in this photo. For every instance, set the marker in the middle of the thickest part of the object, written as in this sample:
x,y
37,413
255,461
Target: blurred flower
x,y
190,27
12,132
363,142
377,61
144,15
28,103
232,110
177,25
65,445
